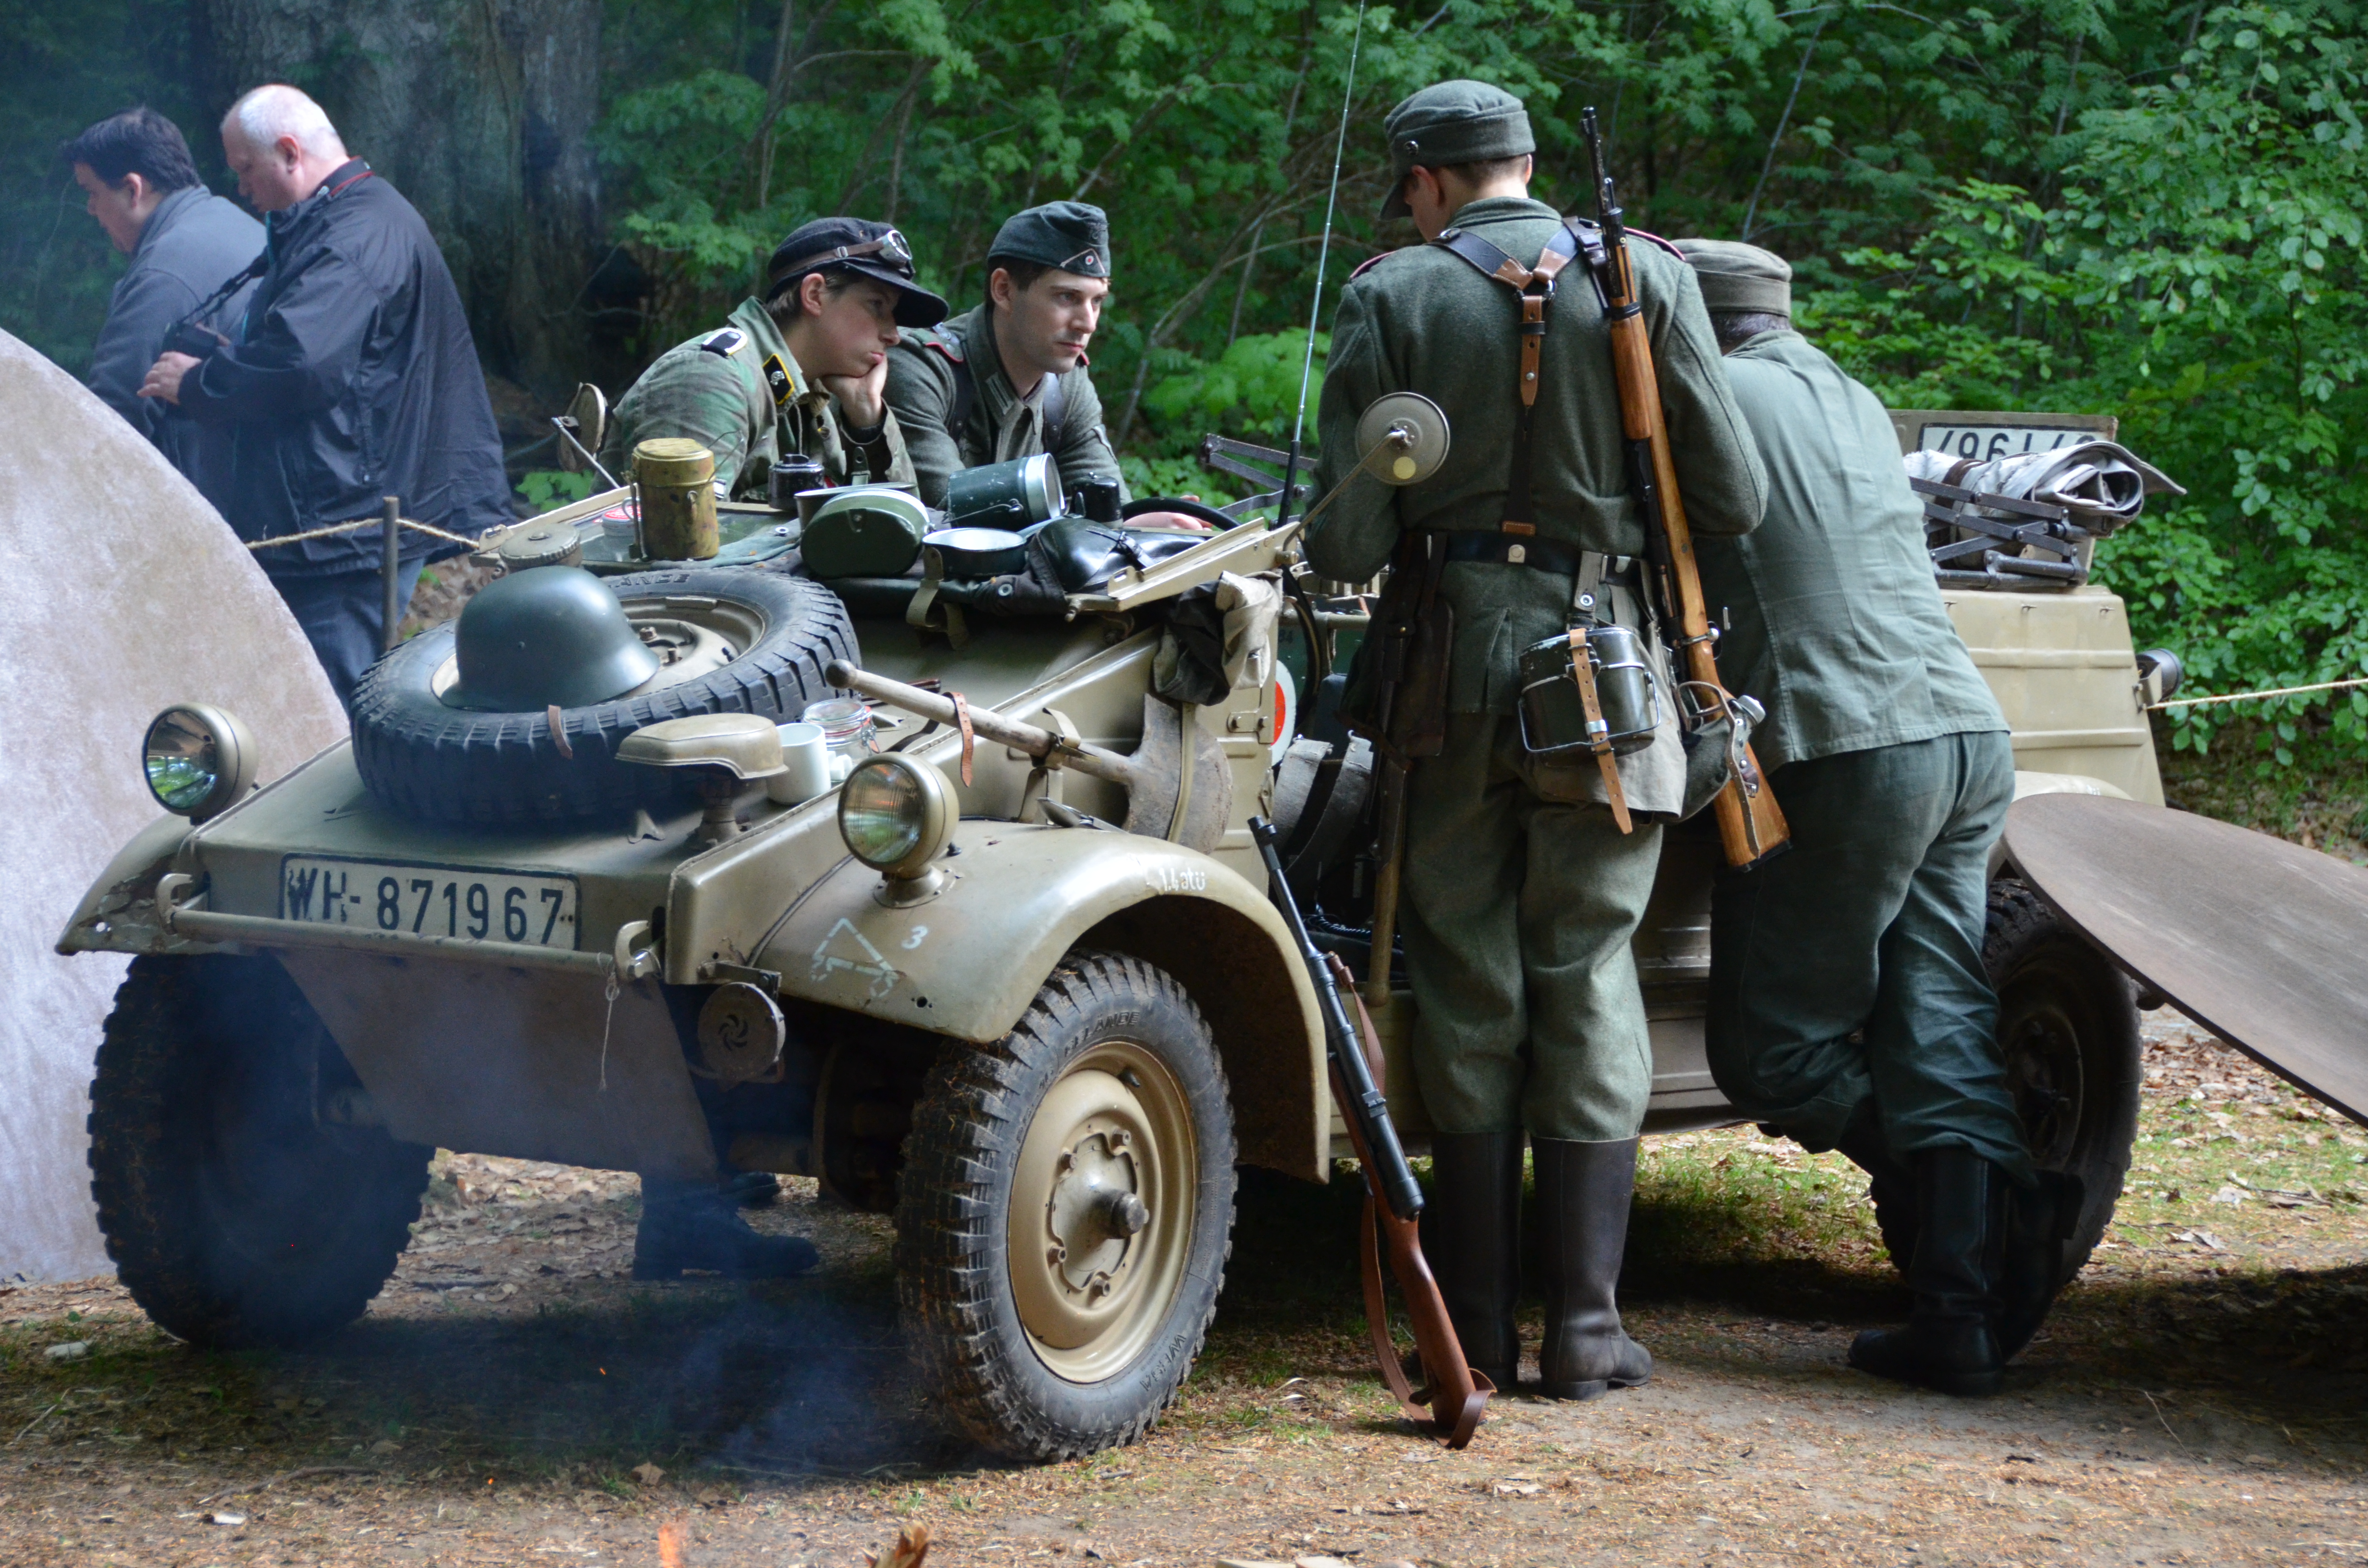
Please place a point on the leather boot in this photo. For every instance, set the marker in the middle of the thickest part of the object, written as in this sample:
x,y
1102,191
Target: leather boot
x,y
1949,1343
1472,1235
1582,1194
1889,1180
694,1225
2038,1222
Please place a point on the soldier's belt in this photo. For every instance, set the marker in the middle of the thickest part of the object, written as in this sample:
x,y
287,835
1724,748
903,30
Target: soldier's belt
x,y
1538,554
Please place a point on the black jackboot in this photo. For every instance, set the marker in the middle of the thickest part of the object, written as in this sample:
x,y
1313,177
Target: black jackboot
x,y
694,1225
1583,1193
1471,1233
1949,1343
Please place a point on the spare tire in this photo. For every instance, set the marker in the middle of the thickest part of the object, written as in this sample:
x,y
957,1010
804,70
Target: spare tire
x,y
742,640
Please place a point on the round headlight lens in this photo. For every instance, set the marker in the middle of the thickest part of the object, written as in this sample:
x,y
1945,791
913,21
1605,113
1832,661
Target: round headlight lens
x,y
197,760
893,815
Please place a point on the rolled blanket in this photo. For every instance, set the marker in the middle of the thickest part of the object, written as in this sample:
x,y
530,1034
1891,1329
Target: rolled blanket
x,y
2102,484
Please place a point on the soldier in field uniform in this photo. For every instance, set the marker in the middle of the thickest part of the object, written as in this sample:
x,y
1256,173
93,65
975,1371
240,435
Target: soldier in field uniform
x,y
1521,889
803,370
1848,1001
1008,378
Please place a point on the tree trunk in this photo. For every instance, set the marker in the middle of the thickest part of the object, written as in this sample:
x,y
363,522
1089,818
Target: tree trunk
x,y
481,112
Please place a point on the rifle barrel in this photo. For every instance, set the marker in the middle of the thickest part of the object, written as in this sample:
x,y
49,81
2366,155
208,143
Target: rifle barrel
x,y
1366,1105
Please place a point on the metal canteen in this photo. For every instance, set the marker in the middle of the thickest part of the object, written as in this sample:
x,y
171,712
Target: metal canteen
x,y
1554,719
971,554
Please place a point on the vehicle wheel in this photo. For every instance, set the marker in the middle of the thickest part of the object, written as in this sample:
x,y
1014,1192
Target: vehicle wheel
x,y
1066,1210
735,640
236,1214
2068,1028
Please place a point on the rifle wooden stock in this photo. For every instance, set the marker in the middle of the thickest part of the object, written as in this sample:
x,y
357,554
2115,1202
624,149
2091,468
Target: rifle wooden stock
x,y
1454,1394
1750,825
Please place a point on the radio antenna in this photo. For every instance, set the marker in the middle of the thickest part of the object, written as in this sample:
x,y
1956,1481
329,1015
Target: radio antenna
x,y
1323,254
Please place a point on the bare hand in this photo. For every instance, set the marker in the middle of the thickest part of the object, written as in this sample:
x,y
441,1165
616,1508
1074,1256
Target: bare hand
x,y
164,377
862,399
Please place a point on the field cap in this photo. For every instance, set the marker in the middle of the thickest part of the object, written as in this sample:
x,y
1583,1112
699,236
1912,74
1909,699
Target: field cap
x,y
1449,123
1736,277
1071,235
875,250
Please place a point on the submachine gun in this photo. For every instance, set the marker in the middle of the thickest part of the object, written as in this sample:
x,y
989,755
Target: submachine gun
x,y
1455,1394
1750,827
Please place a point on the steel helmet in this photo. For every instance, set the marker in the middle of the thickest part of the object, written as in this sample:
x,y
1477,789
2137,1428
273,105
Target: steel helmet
x,y
553,636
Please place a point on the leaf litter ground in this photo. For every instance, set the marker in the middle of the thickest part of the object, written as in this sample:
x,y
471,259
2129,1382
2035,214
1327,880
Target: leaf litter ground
x,y
513,1397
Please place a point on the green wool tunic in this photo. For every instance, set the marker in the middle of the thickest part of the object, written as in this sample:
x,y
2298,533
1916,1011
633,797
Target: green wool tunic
x,y
1521,894
721,401
1847,972
999,424
1837,622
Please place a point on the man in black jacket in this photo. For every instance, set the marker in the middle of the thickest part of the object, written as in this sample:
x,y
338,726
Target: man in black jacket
x,y
185,244
352,376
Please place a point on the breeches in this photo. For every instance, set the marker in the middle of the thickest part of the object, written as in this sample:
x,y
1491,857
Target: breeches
x,y
1520,900
1848,969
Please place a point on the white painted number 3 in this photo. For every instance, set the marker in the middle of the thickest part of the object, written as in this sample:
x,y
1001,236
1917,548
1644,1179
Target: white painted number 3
x,y
920,935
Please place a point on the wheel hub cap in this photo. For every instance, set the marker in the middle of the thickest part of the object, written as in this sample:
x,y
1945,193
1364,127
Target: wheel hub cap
x,y
1101,1212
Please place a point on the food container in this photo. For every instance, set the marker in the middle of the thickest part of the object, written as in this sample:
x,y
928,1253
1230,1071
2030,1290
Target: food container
x,y
675,479
1004,495
975,554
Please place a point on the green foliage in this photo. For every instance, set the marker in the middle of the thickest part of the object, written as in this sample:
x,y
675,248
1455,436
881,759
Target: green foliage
x,y
545,488
2150,209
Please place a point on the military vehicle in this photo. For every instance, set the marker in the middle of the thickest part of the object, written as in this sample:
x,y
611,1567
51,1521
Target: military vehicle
x,y
565,894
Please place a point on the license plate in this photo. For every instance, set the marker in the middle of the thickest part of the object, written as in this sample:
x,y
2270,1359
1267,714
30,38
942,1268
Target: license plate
x,y
429,901
1985,443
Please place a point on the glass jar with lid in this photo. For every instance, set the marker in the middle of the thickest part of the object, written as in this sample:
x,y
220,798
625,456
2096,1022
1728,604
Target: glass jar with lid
x,y
847,731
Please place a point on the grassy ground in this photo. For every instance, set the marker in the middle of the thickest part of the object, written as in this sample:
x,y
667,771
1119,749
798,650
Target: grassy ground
x,y
510,1398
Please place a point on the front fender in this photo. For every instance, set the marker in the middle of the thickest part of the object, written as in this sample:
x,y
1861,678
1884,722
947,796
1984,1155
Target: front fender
x,y
118,914
968,961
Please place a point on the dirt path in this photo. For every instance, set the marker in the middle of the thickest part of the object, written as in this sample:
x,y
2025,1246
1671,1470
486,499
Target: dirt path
x,y
511,1398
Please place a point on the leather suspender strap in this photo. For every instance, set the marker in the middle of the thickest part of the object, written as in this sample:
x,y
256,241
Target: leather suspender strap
x,y
1535,285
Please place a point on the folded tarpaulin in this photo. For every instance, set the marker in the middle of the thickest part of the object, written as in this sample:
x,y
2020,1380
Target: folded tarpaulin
x,y
2102,484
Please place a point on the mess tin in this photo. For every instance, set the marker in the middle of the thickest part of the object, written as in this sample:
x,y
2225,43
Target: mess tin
x,y
973,553
868,530
1004,495
1554,714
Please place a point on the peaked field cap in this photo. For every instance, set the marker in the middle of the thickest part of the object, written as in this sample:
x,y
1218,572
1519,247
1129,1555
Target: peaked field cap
x,y
858,245
1449,123
1736,277
1071,235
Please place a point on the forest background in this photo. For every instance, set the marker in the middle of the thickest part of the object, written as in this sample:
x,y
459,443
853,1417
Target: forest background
x,y
2145,207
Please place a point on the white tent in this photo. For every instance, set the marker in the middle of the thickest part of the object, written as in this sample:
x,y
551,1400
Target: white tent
x,y
121,592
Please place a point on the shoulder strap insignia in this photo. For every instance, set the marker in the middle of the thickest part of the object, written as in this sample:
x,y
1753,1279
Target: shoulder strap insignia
x,y
946,342
1369,264
725,341
779,381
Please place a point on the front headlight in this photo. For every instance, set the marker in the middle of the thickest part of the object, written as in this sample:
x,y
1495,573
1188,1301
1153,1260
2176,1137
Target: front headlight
x,y
896,816
198,760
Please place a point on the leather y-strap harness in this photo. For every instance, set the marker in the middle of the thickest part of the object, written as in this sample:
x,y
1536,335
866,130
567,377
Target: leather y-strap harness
x,y
1535,286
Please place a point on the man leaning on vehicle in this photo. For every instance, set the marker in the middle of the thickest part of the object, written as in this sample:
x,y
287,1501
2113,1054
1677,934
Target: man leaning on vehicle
x,y
1848,1002
1008,378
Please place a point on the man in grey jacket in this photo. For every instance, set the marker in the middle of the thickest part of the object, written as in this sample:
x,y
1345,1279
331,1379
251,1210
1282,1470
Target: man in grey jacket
x,y
184,243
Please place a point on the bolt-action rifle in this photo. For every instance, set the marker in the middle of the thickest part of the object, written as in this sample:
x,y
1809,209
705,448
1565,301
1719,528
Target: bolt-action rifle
x,y
1750,826
1393,1201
